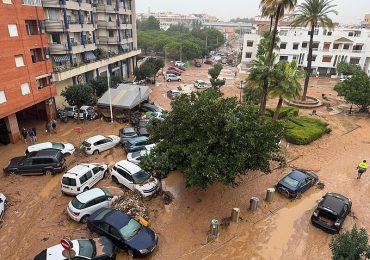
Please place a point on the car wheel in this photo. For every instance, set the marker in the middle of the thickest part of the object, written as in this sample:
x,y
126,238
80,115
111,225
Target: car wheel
x,y
12,172
67,154
86,189
84,219
96,152
179,80
299,195
114,179
130,253
48,172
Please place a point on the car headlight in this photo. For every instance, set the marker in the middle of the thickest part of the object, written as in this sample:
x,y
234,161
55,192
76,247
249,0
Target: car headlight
x,y
144,251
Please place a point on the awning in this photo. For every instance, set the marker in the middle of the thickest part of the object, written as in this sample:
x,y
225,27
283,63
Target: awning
x,y
63,58
89,55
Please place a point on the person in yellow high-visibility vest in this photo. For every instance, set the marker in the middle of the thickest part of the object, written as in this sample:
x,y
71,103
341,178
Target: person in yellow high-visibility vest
x,y
361,168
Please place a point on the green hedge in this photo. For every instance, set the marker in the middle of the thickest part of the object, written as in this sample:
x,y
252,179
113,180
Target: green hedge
x,y
285,112
304,130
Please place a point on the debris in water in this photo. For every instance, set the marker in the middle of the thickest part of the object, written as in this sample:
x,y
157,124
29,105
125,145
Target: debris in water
x,y
321,185
131,205
167,197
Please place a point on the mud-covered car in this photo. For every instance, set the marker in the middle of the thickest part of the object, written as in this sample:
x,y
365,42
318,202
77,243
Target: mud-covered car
x,y
296,182
2,206
331,212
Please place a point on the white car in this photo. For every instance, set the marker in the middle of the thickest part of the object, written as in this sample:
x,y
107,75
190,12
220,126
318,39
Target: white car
x,y
87,111
135,157
99,143
172,77
179,64
2,206
86,203
83,177
134,178
65,148
200,84
70,110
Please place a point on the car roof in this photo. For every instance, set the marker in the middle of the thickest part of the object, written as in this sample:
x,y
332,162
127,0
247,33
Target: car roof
x,y
128,130
40,146
116,219
334,202
95,138
44,153
79,169
85,107
89,195
138,139
131,167
298,175
200,81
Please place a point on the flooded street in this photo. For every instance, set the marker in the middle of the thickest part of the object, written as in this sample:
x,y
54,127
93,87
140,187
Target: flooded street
x,y
36,215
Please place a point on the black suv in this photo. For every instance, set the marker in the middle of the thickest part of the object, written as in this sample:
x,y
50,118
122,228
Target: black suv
x,y
36,163
331,212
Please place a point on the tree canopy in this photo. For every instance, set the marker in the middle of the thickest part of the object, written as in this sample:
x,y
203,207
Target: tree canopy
x,y
212,139
78,95
356,89
351,245
346,68
149,68
214,72
148,24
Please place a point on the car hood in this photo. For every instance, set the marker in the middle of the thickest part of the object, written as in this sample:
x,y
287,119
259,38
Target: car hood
x,y
148,184
115,138
144,239
69,147
15,161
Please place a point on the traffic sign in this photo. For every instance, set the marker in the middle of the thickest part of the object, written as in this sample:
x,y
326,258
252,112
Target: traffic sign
x,y
66,244
78,130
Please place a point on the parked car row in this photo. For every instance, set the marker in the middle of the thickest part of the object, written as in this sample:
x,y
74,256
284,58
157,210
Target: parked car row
x,y
332,209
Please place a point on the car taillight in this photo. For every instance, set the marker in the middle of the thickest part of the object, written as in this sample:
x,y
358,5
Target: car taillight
x,y
76,213
337,223
78,188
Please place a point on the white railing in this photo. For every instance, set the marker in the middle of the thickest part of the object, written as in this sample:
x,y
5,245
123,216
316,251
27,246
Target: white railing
x,y
32,2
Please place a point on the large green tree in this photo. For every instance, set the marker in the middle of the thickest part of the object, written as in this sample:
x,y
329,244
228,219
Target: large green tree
x,y
285,84
99,86
313,13
280,6
213,139
78,95
356,89
351,245
346,68
149,24
214,72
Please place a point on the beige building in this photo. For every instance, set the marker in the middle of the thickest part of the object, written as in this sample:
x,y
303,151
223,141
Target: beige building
x,y
366,20
89,36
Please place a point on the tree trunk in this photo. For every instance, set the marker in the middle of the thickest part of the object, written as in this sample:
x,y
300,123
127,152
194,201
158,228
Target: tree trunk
x,y
277,110
309,64
271,22
266,83
78,115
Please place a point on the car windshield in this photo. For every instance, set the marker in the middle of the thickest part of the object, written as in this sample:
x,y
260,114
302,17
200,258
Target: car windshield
x,y
87,248
110,139
69,181
136,154
140,176
86,144
130,230
143,123
76,203
58,146
290,181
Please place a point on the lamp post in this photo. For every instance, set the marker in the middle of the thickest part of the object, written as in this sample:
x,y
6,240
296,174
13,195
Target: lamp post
x,y
110,96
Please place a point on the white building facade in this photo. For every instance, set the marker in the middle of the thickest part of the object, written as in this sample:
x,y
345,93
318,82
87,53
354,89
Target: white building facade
x,y
330,47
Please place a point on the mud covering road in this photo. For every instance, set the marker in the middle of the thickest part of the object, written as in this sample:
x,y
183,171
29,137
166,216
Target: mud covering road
x,y
36,219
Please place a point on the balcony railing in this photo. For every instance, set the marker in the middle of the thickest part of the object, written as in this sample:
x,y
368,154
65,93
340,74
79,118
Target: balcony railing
x,y
32,2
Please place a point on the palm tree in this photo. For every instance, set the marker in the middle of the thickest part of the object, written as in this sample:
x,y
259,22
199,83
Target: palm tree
x,y
269,12
285,83
279,6
313,13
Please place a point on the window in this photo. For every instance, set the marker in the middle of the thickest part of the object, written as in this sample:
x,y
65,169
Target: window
x,y
357,33
357,48
55,38
83,179
283,57
327,45
248,55
31,2
326,58
19,61
9,2
283,33
110,33
345,46
336,46
2,97
13,31
88,174
295,46
304,44
354,61
25,88
42,82
315,45
350,34
283,45
329,33
36,55
32,27
96,170
314,57
249,43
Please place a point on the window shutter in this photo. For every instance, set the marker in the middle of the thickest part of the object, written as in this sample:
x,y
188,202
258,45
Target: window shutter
x,y
25,88
19,61
13,31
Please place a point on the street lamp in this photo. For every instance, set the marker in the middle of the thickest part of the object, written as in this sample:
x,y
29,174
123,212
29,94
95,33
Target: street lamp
x,y
110,96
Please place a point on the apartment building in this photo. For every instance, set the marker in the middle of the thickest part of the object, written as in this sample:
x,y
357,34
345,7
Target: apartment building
x,y
229,29
366,21
26,89
88,38
330,47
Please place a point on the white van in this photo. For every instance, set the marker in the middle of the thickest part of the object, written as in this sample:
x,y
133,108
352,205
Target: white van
x,y
83,177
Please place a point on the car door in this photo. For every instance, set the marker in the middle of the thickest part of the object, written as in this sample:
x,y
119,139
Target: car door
x,y
116,238
102,228
98,173
100,145
123,178
25,167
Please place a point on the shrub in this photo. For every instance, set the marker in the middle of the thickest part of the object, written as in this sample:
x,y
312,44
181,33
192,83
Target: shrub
x,y
304,130
285,112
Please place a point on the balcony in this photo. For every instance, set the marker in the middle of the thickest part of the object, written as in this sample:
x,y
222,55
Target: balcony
x,y
106,25
56,48
72,5
105,8
127,26
67,72
54,26
108,40
51,3
78,47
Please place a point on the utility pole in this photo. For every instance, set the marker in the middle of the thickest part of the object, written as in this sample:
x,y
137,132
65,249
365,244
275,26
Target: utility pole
x,y
181,52
110,96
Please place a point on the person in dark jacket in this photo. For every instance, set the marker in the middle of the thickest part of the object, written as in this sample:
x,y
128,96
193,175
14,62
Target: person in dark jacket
x,y
24,134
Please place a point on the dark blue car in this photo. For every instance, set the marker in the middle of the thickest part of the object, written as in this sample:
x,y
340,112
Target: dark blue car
x,y
124,231
296,182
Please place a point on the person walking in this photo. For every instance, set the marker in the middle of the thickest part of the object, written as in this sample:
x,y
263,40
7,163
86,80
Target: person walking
x,y
54,126
361,168
35,135
24,134
31,134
